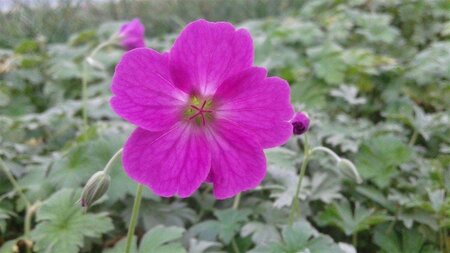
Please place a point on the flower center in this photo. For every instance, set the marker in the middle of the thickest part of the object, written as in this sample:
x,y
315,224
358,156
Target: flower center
x,y
199,111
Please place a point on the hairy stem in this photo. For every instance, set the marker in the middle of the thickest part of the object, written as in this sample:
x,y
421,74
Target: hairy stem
x,y
84,77
236,201
134,217
235,246
355,240
326,150
14,182
446,245
31,210
111,161
29,207
295,202
84,93
413,138
110,41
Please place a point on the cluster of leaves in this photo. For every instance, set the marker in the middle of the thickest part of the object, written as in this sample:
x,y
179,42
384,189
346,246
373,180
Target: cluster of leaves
x,y
373,76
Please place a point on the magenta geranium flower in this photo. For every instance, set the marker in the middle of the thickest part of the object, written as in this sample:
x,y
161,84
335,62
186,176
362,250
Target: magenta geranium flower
x,y
132,34
203,111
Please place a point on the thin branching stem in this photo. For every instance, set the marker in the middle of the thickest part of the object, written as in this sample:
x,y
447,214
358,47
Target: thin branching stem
x,y
112,161
413,139
29,207
134,217
84,94
236,201
14,182
355,239
84,75
326,150
235,246
295,202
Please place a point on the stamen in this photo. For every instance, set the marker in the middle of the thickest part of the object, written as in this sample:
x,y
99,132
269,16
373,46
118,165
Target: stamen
x,y
195,115
200,110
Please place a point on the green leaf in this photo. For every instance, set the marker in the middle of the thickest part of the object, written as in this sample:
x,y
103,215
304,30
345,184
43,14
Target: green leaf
x,y
301,237
374,27
349,94
230,222
27,46
437,199
350,221
328,63
86,158
227,225
431,65
8,247
4,216
261,233
409,217
323,186
281,157
376,196
120,246
196,246
379,157
174,214
311,92
408,241
161,239
62,226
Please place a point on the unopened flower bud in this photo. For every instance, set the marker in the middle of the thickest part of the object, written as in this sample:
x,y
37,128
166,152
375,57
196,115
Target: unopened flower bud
x,y
94,63
132,34
95,188
349,170
300,122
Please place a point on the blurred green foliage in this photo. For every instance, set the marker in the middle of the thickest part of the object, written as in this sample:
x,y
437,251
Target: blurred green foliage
x,y
374,75
40,18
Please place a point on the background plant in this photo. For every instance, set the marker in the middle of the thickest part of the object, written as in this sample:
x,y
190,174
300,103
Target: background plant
x,y
373,76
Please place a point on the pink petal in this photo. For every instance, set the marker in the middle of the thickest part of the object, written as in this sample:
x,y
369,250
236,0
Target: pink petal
x,y
257,103
206,53
171,163
144,92
238,162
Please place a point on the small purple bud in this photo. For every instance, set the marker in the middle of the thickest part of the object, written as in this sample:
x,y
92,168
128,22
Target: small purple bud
x,y
132,34
300,122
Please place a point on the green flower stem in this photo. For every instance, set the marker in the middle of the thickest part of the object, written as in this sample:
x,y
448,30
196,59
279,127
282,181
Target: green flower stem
x,y
29,208
413,138
111,41
84,94
84,78
13,181
326,150
111,161
446,244
27,223
295,202
236,201
235,246
134,217
355,239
